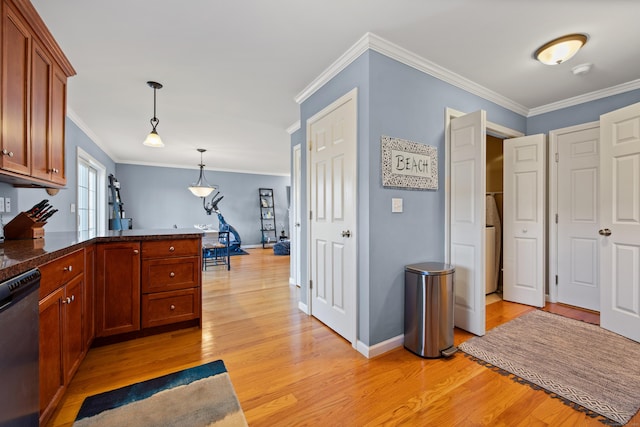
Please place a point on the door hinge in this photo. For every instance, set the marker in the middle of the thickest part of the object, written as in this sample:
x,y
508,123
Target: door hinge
x,y
310,284
556,279
310,215
310,144
557,157
556,218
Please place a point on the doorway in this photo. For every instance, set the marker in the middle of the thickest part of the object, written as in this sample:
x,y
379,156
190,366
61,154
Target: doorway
x,y
494,214
574,199
465,216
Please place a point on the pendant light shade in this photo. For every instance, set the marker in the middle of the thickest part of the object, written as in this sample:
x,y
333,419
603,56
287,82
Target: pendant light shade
x,y
201,188
561,49
153,139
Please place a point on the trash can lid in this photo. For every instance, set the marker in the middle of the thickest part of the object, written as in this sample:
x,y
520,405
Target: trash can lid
x,y
430,268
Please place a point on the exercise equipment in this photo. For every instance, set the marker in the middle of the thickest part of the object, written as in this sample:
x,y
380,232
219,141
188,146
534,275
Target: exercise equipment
x,y
234,237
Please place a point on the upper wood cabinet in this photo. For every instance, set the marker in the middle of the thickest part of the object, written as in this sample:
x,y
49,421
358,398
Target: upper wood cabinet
x,y
33,90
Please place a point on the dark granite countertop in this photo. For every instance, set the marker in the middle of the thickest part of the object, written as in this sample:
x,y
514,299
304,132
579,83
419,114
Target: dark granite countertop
x,y
18,256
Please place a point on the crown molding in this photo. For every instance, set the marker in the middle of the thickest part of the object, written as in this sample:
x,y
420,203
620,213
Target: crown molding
x,y
360,47
90,134
400,54
293,128
587,97
175,166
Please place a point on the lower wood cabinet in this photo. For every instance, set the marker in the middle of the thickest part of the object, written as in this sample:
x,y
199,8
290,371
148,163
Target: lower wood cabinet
x,y
108,289
117,288
62,339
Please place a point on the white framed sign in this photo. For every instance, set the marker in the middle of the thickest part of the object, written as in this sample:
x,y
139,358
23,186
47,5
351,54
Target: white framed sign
x,y
408,164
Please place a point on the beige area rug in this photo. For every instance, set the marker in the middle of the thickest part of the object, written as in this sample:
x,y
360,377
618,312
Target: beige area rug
x,y
194,397
587,367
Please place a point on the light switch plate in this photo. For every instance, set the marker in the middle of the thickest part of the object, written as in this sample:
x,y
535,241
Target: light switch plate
x,y
396,205
7,204
1,204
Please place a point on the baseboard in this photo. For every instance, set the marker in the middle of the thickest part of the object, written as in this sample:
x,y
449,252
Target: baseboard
x,y
303,307
380,348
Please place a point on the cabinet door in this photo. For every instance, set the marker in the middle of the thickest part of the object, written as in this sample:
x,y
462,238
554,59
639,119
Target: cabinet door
x,y
58,113
117,288
72,332
16,49
51,368
40,112
89,329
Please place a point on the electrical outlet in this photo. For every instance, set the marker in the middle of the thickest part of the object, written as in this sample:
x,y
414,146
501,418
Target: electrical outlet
x,y
7,204
1,204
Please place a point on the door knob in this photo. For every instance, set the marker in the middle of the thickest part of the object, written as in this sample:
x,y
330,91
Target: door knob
x,y
346,233
604,232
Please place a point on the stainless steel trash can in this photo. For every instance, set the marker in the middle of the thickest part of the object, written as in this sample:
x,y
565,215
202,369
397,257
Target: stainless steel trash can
x,y
428,309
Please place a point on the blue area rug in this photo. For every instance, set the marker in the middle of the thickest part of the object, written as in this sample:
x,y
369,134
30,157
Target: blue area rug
x,y
199,396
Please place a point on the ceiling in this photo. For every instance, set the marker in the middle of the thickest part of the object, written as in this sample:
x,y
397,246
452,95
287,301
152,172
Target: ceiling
x,y
232,69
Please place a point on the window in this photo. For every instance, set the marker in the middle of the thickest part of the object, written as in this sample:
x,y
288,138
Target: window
x,y
91,197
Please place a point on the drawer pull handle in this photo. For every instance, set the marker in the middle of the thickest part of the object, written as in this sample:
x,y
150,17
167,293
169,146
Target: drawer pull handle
x,y
66,300
172,274
7,152
173,307
135,252
171,249
69,268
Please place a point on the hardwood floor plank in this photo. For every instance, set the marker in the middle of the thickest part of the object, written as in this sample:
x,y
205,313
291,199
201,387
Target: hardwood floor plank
x,y
288,369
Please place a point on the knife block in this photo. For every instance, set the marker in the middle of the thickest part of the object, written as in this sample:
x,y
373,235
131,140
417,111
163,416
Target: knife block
x,y
23,227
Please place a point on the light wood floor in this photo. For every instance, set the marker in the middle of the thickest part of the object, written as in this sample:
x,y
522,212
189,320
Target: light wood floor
x,y
289,369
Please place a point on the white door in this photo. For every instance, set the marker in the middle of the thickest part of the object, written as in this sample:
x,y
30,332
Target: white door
x,y
524,220
620,221
296,220
467,190
332,137
578,207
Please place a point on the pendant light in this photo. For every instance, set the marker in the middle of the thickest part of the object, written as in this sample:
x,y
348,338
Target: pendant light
x,y
201,188
153,139
561,49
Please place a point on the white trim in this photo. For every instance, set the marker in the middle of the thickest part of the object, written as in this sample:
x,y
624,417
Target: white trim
x,y
495,129
101,209
380,348
293,128
351,95
92,136
173,166
553,203
402,55
587,97
303,307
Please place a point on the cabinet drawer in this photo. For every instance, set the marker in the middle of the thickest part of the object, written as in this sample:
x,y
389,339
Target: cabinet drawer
x,y
171,248
162,308
60,271
170,274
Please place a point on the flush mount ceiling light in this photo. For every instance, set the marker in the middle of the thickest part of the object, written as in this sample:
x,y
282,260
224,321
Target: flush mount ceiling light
x,y
561,49
153,139
202,187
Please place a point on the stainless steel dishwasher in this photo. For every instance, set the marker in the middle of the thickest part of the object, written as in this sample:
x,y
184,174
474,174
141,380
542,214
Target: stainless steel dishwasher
x,y
19,350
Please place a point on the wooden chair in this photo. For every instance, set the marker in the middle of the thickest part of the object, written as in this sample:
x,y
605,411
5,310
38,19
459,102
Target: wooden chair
x,y
216,252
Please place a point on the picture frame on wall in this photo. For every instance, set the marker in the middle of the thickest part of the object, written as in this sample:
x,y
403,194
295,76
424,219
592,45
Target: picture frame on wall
x,y
407,164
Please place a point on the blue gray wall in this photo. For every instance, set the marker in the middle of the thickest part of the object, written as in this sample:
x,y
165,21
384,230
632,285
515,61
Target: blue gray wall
x,y
398,101
157,197
64,219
